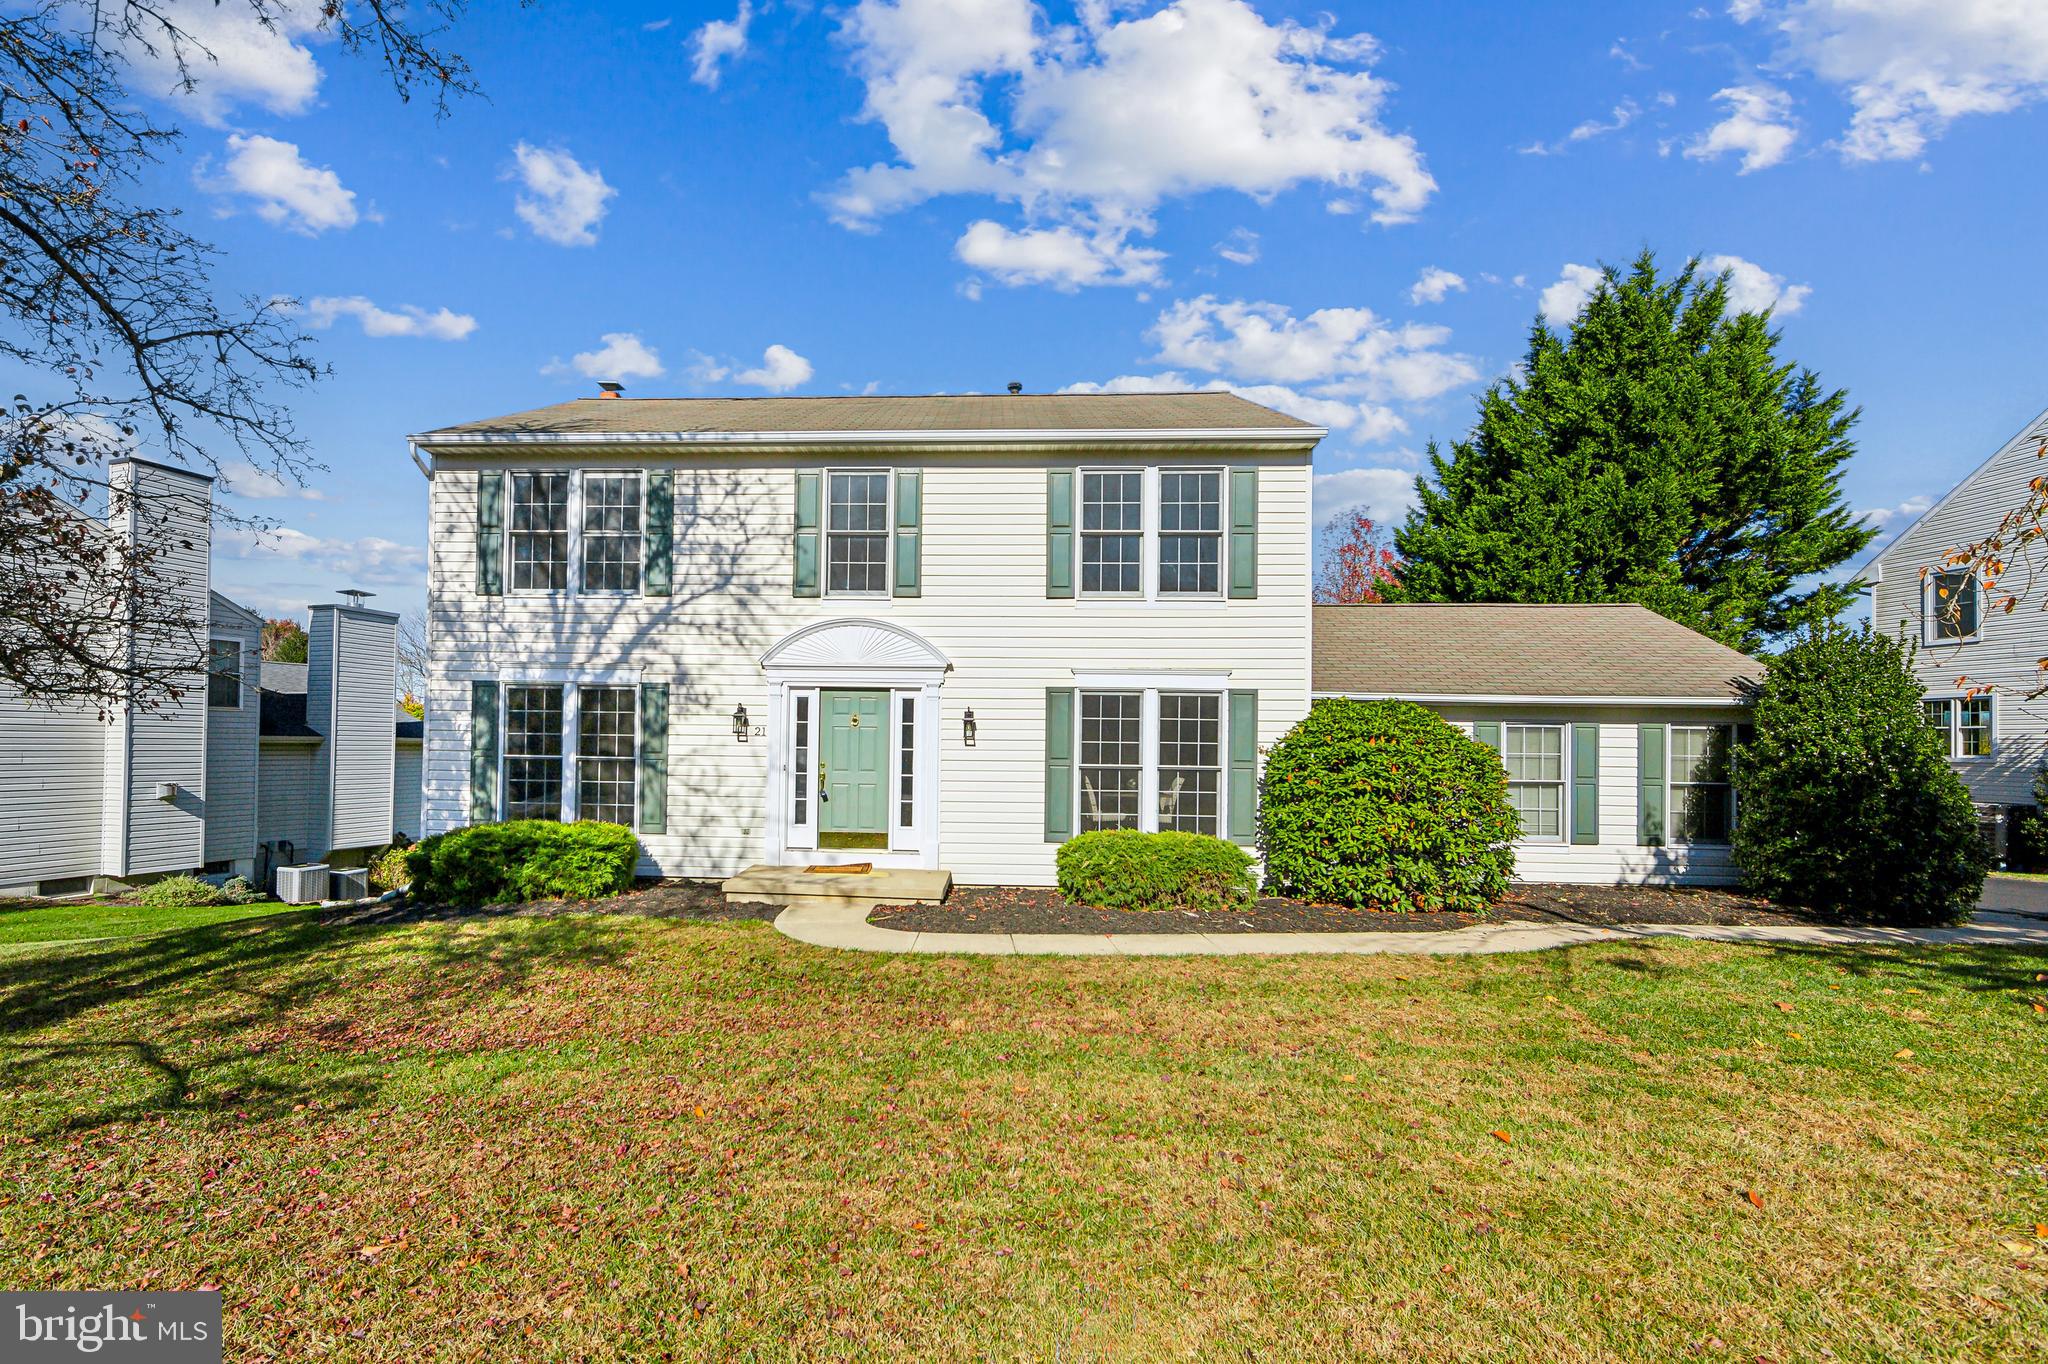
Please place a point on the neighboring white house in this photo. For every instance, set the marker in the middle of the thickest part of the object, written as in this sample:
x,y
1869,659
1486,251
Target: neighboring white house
x,y
1615,724
1997,737
205,782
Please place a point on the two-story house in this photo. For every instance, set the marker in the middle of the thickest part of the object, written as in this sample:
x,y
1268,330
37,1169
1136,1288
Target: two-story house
x,y
1980,668
926,632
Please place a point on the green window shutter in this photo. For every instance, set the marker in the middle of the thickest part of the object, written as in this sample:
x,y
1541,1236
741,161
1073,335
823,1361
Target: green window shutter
x,y
483,752
1650,785
1585,783
1487,732
804,544
657,579
1059,533
1244,767
1244,532
490,533
654,757
1059,765
909,531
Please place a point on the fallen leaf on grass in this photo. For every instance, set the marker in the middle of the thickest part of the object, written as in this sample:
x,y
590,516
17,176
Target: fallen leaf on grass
x,y
1903,1054
1503,1136
2021,1247
2041,1230
1754,1197
1783,1007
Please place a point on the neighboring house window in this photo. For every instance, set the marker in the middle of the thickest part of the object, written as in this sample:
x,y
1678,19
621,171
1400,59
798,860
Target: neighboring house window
x,y
857,534
906,803
606,731
533,752
1112,758
1964,724
611,532
1702,804
1951,607
1191,532
1190,761
1534,757
224,674
540,532
1112,533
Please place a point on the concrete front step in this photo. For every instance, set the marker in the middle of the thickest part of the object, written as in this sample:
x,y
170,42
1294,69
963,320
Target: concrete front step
x,y
795,887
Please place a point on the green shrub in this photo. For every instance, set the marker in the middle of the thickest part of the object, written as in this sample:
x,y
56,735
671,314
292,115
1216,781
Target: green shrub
x,y
236,890
387,869
524,859
1125,869
180,892
1845,800
1388,804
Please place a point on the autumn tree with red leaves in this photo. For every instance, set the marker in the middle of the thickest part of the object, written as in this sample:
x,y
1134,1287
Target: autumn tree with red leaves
x,y
1356,563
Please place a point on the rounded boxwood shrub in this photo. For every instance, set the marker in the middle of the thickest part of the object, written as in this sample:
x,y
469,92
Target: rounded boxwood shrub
x,y
387,869
1845,800
1386,803
1126,869
523,859
180,892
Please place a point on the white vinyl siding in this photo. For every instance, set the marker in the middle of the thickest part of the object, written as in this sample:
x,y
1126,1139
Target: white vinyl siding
x,y
288,799
405,789
351,677
52,765
232,770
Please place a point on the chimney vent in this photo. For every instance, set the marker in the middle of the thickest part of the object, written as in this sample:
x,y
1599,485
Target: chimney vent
x,y
610,390
1015,388
355,595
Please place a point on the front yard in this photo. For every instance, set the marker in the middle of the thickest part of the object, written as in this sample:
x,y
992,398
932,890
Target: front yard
x,y
590,1138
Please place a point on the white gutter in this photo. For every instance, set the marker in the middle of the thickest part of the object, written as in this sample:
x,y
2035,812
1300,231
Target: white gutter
x,y
1509,699
412,447
1293,435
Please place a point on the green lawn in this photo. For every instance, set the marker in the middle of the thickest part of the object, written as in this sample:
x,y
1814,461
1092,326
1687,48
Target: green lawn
x,y
585,1138
33,921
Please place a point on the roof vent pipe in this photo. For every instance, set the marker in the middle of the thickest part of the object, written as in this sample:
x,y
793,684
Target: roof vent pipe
x,y
610,390
1015,388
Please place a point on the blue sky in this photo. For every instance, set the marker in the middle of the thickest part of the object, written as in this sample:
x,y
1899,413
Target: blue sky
x,y
1353,211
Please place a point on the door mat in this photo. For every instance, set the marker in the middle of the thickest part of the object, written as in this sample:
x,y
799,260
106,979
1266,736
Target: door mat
x,y
850,869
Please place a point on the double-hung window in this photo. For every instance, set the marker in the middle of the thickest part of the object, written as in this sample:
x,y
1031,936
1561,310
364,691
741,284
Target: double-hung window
x,y
1191,762
611,532
1112,533
1112,759
1702,805
533,752
1191,532
857,534
1963,722
606,732
224,674
571,751
540,532
1951,607
1151,759
1534,757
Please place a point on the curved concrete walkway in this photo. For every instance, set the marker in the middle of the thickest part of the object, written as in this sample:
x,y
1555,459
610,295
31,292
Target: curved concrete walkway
x,y
849,928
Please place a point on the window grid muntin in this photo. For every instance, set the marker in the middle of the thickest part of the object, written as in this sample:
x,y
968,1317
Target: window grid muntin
x,y
801,808
1702,805
1191,532
1534,758
1191,762
857,533
1954,607
906,800
224,674
533,752
607,738
538,535
1973,727
1113,533
612,531
1112,753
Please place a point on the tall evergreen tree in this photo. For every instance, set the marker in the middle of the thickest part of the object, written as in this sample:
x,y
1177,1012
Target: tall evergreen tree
x,y
1656,451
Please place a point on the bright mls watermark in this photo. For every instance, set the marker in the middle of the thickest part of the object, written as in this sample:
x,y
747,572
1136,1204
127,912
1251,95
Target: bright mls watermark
x,y
162,1328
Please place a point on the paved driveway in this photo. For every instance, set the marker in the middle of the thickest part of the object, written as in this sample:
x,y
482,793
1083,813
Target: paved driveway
x,y
2010,892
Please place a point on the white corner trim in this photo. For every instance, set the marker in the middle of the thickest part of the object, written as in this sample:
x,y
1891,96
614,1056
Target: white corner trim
x,y
1510,699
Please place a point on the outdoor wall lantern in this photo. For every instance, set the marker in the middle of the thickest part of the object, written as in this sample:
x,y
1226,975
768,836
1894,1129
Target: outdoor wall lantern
x,y
739,723
967,729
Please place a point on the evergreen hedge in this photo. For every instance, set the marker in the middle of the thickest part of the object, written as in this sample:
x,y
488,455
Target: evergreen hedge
x,y
1387,804
1845,799
521,860
1126,869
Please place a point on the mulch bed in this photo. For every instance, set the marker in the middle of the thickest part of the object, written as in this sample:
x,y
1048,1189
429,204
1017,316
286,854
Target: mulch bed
x,y
670,899
1030,909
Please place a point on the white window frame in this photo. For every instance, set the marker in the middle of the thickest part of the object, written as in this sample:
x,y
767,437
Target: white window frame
x,y
1930,613
571,683
572,784
577,565
1222,764
888,533
1149,686
1144,531
573,511
212,643
1156,538
1563,782
1149,533
1953,729
1672,785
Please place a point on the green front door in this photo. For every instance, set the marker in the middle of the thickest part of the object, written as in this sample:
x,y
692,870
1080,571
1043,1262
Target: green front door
x,y
853,770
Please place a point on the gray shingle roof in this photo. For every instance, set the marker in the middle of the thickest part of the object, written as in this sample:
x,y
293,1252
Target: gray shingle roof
x,y
1580,652
1051,412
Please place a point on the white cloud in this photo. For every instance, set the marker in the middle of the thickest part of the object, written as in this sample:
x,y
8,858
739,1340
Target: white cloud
x,y
439,325
1361,421
1624,114
1909,68
244,479
780,370
562,200
1092,125
1383,494
285,191
1751,288
623,356
1348,351
1064,257
231,58
1560,303
1758,128
1433,284
717,41
656,25
369,559
1241,247
1886,518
